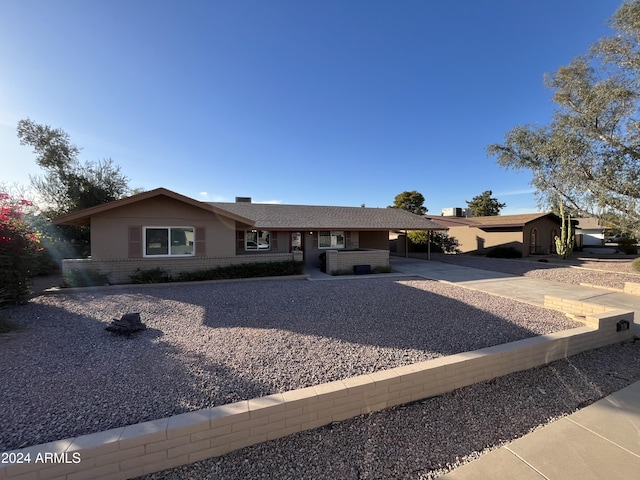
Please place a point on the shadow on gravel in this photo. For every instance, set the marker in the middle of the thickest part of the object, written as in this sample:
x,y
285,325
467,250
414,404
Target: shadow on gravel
x,y
63,375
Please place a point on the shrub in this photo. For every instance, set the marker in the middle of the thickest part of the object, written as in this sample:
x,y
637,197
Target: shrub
x,y
19,247
504,252
440,242
636,264
627,246
84,278
244,270
154,275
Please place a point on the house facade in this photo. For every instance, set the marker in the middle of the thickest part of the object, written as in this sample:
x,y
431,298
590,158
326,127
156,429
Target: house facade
x,y
530,234
166,230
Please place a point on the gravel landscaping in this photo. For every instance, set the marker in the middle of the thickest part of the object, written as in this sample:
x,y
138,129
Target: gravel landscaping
x,y
431,437
210,344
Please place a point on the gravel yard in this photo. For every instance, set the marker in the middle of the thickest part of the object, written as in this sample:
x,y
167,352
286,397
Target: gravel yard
x,y
210,344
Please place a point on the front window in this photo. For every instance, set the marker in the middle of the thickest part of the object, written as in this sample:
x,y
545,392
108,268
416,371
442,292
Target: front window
x,y
256,240
331,239
168,241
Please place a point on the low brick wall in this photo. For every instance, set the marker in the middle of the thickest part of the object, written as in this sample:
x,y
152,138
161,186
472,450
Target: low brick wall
x,y
343,261
120,271
153,446
632,288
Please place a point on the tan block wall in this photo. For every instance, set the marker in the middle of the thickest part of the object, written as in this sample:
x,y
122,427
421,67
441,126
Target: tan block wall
x,y
153,446
344,260
120,271
632,288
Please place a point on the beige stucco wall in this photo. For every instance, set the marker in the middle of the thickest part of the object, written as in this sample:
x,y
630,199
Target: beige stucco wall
x,y
473,239
476,240
374,240
110,230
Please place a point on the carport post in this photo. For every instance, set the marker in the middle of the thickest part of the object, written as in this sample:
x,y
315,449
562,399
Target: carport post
x,y
406,244
428,244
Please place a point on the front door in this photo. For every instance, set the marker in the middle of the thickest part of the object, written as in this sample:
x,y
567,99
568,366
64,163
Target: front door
x,y
297,242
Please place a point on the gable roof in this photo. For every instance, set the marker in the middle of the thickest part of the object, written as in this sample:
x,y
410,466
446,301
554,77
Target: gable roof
x,y
82,218
276,216
496,221
314,217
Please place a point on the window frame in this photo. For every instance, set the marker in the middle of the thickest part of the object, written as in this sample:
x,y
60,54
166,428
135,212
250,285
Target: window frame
x,y
333,234
169,246
257,247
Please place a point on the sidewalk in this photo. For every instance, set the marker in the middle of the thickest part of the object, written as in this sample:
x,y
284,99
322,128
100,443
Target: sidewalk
x,y
601,441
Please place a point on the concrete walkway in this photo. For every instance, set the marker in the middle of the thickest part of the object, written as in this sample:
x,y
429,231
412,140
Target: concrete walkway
x,y
601,441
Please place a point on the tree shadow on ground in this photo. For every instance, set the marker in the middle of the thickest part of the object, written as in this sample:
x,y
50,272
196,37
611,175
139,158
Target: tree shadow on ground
x,y
63,375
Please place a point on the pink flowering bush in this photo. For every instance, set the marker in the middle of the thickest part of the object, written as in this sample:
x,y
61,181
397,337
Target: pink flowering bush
x,y
19,247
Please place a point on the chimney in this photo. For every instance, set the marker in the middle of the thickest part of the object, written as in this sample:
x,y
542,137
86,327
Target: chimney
x,y
243,199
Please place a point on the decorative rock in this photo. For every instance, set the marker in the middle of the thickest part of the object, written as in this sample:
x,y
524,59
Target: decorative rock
x,y
129,323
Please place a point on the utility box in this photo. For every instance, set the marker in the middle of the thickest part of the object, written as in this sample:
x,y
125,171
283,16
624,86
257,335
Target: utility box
x,y
362,269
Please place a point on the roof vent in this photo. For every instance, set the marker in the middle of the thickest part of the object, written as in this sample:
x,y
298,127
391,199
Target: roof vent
x,y
243,199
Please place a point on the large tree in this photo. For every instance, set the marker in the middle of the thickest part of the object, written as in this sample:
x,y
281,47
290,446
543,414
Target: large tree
x,y
69,185
588,156
485,205
412,201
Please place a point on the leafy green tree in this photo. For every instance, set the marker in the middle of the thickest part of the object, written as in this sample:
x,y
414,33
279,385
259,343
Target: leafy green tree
x,y
440,242
589,154
485,205
68,184
412,201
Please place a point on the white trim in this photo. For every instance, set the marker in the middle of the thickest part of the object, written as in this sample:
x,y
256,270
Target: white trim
x,y
168,254
331,235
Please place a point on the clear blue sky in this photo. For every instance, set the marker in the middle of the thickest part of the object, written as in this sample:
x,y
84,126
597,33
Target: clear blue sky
x,y
334,102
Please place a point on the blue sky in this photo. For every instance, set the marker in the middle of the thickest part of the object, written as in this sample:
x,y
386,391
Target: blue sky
x,y
308,102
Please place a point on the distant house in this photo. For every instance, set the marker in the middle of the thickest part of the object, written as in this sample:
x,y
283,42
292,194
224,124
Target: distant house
x,y
166,230
589,232
532,233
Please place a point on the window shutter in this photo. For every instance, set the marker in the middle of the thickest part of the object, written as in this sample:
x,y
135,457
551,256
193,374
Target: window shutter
x,y
135,241
273,240
239,240
201,245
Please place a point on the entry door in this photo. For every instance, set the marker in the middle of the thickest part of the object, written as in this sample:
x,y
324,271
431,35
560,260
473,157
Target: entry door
x,y
297,242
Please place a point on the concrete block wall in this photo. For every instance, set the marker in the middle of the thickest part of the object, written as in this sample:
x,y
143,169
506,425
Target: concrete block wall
x,y
153,446
120,270
344,260
632,288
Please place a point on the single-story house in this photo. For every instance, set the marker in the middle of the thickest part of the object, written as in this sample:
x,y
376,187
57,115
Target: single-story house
x,y
166,230
589,232
531,233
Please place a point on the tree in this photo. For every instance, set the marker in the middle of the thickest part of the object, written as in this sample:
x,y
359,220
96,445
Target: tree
x,y
440,242
485,205
411,201
589,154
69,185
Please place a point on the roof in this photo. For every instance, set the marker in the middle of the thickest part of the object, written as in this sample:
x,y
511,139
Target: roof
x,y
276,216
314,217
82,217
590,223
495,221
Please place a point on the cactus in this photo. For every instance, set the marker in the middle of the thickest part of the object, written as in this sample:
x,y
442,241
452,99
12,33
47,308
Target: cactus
x,y
564,243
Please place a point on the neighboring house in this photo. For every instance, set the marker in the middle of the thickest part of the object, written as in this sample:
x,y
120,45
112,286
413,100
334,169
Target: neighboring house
x,y
529,233
163,229
589,232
